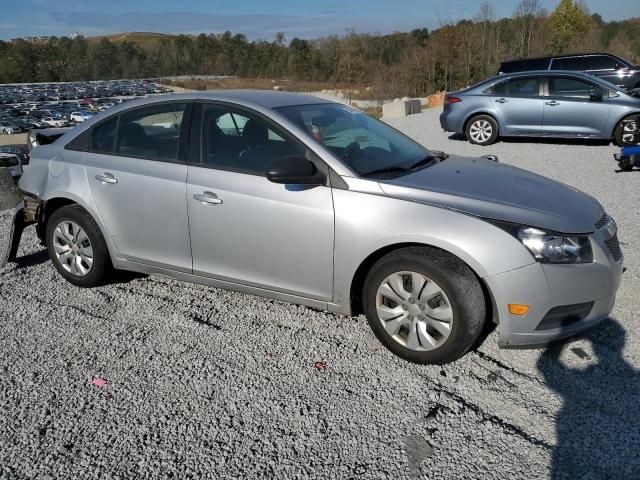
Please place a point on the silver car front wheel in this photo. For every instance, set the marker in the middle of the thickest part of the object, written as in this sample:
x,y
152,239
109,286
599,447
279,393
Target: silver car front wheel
x,y
73,249
414,311
424,304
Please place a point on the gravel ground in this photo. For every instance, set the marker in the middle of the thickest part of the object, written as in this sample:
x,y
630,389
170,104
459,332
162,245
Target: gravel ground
x,y
206,383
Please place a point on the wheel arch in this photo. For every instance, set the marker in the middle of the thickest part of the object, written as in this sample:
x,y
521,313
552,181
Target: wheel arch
x,y
617,123
57,200
358,279
471,116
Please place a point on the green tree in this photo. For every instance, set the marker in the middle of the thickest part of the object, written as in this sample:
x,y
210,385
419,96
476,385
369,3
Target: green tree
x,y
570,24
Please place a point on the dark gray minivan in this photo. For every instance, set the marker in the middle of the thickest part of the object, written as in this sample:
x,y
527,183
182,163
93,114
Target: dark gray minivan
x,y
612,68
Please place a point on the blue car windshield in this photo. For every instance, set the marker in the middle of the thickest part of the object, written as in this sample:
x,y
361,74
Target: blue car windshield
x,y
363,143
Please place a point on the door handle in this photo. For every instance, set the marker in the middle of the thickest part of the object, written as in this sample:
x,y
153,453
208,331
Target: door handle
x,y
208,198
107,179
502,100
552,103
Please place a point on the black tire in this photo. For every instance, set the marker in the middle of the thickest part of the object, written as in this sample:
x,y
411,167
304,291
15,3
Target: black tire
x,y
477,121
460,286
617,135
101,266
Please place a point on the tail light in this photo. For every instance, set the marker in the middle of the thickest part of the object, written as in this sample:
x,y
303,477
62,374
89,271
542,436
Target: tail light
x,y
452,99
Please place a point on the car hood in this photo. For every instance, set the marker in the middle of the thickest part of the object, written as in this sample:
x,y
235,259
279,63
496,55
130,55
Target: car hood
x,y
488,189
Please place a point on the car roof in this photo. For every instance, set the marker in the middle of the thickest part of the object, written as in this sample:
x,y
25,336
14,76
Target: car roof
x,y
266,98
568,55
547,73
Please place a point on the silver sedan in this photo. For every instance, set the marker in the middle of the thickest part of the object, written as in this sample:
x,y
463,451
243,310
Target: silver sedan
x,y
313,202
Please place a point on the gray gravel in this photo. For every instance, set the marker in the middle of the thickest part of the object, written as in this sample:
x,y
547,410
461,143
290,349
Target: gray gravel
x,y
207,383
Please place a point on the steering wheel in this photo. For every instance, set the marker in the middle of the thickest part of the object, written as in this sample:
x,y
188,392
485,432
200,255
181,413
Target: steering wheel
x,y
349,150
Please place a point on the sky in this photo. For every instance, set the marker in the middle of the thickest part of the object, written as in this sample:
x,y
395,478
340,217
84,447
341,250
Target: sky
x,y
258,19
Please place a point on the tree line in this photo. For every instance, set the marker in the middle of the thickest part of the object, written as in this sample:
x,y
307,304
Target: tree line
x,y
415,63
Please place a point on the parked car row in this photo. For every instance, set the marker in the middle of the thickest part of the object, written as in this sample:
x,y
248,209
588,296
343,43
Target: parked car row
x,y
54,92
547,101
26,107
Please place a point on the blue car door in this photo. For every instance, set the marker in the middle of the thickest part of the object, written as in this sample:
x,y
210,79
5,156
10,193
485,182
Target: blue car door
x,y
575,107
518,103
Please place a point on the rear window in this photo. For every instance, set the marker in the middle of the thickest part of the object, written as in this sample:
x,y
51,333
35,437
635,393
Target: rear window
x,y
524,65
569,63
8,161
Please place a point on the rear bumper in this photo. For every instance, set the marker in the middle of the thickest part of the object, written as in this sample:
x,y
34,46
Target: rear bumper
x,y
564,299
452,119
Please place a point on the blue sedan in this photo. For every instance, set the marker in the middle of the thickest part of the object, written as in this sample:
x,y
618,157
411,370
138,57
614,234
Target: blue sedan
x,y
539,104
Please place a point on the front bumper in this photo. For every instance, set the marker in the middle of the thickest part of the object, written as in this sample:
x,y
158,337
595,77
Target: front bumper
x,y
548,289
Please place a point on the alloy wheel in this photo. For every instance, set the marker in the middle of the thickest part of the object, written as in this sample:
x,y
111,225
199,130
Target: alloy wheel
x,y
481,131
414,311
73,248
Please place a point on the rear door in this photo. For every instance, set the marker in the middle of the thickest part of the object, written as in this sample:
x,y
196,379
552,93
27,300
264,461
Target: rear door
x,y
575,107
137,172
246,229
519,105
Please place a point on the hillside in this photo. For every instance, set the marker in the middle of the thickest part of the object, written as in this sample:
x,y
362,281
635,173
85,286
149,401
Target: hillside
x,y
146,40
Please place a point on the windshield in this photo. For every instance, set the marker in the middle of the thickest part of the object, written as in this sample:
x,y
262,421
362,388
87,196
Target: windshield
x,y
366,145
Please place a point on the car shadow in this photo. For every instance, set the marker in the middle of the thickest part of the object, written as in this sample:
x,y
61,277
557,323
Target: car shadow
x,y
543,140
32,259
598,425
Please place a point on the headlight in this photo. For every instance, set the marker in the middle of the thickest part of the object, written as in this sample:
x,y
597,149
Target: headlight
x,y
550,247
556,248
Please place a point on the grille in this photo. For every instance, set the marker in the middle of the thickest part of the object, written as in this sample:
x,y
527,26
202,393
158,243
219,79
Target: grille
x,y
565,316
613,244
602,222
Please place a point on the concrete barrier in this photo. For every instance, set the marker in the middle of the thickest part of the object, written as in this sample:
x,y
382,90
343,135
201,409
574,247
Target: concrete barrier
x,y
401,108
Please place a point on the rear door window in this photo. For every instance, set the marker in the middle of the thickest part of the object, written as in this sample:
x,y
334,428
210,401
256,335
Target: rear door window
x,y
569,63
151,132
518,87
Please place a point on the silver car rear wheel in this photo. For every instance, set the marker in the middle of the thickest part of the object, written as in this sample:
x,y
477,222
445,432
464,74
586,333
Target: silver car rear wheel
x,y
481,131
73,249
414,310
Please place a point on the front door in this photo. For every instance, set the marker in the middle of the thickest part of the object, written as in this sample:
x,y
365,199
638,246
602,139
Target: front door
x,y
138,182
245,229
575,107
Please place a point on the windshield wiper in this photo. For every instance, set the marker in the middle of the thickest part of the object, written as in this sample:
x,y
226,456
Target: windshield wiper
x,y
428,160
390,169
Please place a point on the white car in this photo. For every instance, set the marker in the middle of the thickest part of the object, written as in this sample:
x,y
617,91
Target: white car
x,y
13,163
9,128
80,117
53,122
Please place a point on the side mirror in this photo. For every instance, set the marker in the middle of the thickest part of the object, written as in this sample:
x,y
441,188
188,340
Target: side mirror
x,y
295,170
596,96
